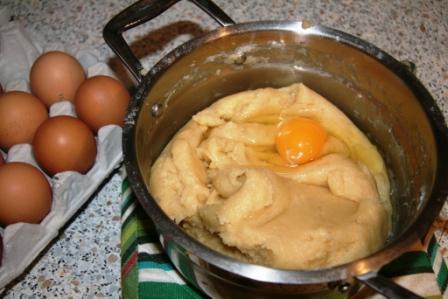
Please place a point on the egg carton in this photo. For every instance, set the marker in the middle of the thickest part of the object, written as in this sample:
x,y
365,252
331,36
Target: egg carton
x,y
23,242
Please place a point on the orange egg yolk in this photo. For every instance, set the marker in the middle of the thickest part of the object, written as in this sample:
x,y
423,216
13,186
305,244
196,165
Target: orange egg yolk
x,y
300,140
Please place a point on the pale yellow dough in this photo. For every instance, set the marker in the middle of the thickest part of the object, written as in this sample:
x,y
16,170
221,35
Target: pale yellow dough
x,y
221,179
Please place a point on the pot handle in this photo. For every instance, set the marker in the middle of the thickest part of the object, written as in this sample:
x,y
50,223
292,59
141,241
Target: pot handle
x,y
387,288
141,12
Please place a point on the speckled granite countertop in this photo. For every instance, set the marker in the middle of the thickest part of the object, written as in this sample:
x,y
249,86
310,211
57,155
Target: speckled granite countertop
x,y
84,260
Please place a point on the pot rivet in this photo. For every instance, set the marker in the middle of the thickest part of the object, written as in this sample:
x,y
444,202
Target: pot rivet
x,y
240,59
344,287
156,110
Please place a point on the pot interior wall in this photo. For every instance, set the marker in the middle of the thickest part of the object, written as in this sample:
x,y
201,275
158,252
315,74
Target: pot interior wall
x,y
370,94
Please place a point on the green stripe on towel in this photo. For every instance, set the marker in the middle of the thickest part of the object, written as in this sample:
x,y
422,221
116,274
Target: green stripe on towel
x,y
438,264
432,249
155,290
154,265
126,253
442,277
129,233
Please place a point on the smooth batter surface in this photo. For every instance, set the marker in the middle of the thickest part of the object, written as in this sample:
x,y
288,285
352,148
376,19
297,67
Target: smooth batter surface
x,y
222,180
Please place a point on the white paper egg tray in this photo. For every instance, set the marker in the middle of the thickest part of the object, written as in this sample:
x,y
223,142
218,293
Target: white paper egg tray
x,y
23,242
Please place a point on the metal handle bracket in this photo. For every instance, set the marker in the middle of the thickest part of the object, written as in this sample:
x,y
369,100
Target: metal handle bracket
x,y
142,12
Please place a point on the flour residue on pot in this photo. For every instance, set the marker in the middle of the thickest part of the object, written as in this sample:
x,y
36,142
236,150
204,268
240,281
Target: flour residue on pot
x,y
242,54
224,180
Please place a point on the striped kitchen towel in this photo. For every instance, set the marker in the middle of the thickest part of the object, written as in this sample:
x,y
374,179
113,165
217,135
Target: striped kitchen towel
x,y
148,274
146,271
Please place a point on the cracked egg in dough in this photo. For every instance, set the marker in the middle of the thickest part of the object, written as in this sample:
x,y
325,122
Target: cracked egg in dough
x,y
223,181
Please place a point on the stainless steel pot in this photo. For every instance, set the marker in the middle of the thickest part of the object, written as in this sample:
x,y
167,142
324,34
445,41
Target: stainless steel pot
x,y
377,92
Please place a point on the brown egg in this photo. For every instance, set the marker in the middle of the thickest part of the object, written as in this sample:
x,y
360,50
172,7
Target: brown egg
x,y
20,115
1,249
26,194
55,76
64,143
100,101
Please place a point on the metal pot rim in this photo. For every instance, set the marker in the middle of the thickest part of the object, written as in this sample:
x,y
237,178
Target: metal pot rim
x,y
364,266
